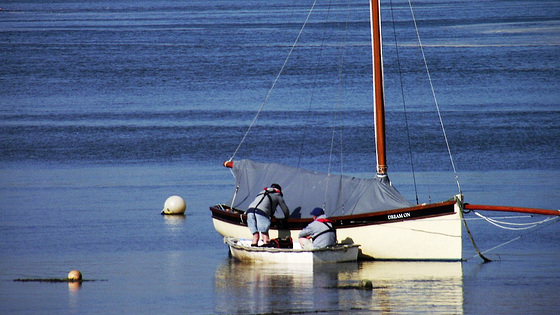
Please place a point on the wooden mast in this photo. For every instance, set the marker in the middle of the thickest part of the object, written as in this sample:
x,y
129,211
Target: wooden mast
x,y
378,97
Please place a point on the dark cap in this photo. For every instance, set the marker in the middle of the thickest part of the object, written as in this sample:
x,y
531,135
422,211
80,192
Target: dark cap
x,y
317,212
276,186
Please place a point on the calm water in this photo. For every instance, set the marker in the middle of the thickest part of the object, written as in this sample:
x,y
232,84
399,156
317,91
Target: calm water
x,y
107,109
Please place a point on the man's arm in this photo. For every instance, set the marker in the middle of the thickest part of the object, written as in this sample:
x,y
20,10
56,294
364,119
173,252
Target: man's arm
x,y
284,207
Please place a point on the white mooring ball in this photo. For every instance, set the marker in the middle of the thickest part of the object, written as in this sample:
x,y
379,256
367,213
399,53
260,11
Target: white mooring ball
x,y
174,205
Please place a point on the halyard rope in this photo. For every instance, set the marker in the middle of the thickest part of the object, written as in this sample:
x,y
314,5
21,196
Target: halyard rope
x,y
336,118
404,102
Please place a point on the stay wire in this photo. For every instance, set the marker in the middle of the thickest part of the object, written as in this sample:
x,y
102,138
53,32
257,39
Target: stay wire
x,y
313,90
462,214
274,82
404,102
434,97
337,114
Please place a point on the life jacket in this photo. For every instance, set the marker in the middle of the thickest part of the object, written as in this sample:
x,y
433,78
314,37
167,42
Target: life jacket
x,y
330,226
266,193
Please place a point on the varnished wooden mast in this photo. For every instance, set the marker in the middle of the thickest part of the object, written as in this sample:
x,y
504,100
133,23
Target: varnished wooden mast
x,y
378,97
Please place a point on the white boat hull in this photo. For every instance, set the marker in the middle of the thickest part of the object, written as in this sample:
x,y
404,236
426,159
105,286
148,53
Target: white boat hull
x,y
242,251
430,238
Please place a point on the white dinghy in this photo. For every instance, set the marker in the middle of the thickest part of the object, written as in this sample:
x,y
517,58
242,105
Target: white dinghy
x,y
242,250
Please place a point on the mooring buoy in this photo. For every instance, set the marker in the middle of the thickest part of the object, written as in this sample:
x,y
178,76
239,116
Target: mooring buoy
x,y
75,275
174,205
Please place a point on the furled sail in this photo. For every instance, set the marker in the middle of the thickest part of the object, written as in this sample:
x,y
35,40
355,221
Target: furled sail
x,y
304,190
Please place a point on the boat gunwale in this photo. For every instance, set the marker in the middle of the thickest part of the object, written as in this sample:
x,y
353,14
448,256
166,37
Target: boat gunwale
x,y
233,242
347,221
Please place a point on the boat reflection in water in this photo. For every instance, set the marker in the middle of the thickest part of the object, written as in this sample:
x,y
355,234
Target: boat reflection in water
x,y
412,286
397,287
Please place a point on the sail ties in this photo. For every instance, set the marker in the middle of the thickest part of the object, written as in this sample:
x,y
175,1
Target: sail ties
x,y
275,81
434,97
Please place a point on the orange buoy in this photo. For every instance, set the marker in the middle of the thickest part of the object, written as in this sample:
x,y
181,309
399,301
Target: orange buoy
x,y
74,275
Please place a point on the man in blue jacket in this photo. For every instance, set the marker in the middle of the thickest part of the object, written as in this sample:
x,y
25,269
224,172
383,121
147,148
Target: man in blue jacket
x,y
321,231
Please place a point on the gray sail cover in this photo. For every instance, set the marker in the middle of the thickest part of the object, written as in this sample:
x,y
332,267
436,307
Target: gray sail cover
x,y
304,190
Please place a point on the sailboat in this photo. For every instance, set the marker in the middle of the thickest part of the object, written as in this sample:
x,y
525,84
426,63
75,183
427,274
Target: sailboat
x,y
367,211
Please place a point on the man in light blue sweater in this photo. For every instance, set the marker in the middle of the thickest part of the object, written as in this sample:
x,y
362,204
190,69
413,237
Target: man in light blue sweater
x,y
321,231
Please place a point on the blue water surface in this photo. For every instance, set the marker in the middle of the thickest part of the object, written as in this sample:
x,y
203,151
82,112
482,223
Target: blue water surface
x,y
108,108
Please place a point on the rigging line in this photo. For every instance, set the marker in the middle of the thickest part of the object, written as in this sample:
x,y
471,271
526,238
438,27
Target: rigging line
x,y
513,217
508,217
275,80
336,119
434,96
461,214
501,224
404,103
313,90
521,236
339,97
340,76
